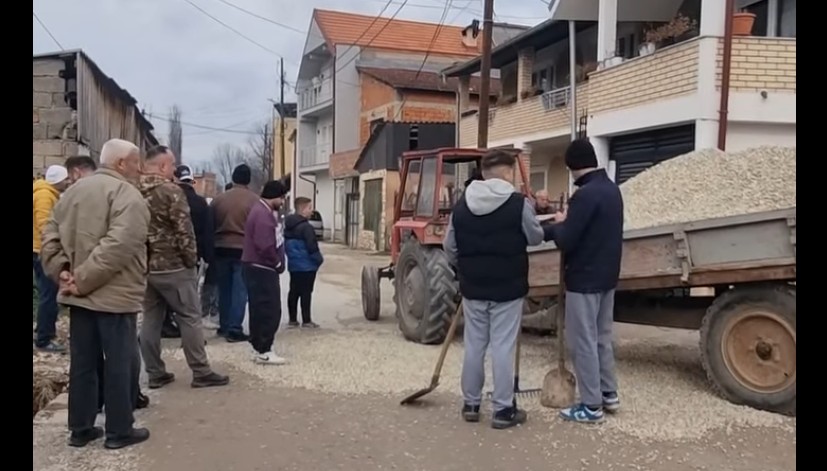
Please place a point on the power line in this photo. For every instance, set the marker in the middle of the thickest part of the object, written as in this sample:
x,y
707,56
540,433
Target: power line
x,y
370,41
201,126
375,19
37,18
251,40
263,18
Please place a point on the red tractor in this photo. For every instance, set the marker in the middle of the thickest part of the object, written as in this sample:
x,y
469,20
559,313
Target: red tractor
x,y
425,286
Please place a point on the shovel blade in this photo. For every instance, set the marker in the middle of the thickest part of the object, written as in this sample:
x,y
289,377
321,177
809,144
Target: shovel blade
x,y
559,388
415,396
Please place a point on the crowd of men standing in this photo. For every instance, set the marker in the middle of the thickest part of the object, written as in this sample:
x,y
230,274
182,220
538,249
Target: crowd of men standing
x,y
125,238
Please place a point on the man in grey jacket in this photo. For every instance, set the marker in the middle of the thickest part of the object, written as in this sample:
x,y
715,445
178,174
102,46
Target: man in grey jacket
x,y
490,229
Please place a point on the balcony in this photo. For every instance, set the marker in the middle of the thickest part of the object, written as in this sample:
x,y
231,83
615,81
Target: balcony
x,y
549,113
317,96
760,64
666,73
315,157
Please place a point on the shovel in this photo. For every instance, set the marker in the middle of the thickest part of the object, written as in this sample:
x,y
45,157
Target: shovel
x,y
559,385
449,337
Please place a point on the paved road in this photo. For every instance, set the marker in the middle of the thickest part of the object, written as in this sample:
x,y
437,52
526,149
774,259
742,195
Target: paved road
x,y
260,422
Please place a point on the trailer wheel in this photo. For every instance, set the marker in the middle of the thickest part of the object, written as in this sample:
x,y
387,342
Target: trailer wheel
x,y
748,347
371,298
425,293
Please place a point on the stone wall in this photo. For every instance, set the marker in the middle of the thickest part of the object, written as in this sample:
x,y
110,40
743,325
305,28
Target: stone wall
x,y
54,122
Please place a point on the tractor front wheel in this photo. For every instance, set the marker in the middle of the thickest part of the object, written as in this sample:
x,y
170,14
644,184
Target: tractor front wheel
x,y
425,293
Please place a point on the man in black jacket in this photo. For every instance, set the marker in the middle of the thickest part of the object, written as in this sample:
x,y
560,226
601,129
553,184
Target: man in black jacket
x,y
490,228
590,234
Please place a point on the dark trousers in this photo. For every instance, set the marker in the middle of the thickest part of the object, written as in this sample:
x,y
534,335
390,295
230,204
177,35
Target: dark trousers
x,y
264,295
232,296
46,304
301,291
135,378
95,337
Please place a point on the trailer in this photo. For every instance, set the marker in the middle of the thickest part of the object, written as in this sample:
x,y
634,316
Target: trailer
x,y
744,264
745,268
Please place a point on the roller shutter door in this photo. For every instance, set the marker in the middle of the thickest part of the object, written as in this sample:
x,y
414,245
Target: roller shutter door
x,y
634,153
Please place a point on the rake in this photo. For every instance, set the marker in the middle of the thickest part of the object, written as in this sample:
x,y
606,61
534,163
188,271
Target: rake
x,y
523,393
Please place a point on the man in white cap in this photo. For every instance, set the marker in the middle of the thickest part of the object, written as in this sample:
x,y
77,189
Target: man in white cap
x,y
45,193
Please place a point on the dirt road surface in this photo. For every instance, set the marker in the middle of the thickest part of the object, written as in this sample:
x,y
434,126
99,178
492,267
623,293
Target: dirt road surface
x,y
335,406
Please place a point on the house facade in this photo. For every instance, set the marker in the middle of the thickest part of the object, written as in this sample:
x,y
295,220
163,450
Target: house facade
x,y
340,96
76,108
644,94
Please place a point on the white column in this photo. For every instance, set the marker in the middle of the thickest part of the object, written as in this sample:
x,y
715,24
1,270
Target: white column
x,y
606,29
706,134
601,148
712,17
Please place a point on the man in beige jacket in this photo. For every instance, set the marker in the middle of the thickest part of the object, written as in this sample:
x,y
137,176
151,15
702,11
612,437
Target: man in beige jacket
x,y
94,245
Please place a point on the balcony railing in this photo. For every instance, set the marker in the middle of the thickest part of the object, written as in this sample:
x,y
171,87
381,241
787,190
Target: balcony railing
x,y
316,94
528,116
314,156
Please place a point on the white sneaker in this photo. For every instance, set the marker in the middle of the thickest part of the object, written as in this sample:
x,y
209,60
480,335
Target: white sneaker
x,y
269,358
210,323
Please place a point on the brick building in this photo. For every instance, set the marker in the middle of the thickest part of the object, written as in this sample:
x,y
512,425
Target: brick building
x,y
205,184
639,103
349,78
76,108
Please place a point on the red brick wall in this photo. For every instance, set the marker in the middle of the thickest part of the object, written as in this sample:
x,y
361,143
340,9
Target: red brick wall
x,y
379,100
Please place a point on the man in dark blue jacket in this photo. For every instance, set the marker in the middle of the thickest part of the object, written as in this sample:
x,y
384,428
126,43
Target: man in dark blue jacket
x,y
590,234
303,261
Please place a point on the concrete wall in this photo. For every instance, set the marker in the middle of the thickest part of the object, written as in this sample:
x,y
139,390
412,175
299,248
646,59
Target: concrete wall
x,y
54,123
742,136
347,98
324,201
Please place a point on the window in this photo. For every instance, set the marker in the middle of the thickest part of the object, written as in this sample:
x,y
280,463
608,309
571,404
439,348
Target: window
x,y
772,17
427,188
538,179
411,186
413,137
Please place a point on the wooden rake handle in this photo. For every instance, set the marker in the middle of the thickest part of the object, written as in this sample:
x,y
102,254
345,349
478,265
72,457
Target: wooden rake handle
x,y
449,337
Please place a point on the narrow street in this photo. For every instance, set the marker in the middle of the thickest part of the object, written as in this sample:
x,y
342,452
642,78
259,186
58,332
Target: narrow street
x,y
336,406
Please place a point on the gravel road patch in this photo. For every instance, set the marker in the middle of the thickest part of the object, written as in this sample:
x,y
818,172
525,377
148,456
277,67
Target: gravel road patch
x,y
664,392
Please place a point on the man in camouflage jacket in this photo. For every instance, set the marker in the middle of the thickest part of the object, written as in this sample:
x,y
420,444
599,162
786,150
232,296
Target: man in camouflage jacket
x,y
172,280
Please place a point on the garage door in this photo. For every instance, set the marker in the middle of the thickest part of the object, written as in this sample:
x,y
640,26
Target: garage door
x,y
634,153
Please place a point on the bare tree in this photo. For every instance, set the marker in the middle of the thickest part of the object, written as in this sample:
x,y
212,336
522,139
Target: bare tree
x,y
260,158
226,158
175,133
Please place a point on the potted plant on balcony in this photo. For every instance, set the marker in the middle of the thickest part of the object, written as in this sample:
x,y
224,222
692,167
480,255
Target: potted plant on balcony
x,y
742,23
666,34
533,91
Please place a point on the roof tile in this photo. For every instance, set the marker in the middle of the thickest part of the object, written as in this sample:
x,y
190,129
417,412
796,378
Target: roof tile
x,y
384,33
429,81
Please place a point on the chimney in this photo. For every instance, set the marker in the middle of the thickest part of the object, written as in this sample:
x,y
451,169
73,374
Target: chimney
x,y
470,33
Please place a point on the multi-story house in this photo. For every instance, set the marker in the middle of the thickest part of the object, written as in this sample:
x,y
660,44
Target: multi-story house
x,y
645,93
343,92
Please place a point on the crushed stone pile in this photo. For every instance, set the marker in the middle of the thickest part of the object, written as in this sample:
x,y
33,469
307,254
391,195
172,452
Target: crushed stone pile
x,y
711,184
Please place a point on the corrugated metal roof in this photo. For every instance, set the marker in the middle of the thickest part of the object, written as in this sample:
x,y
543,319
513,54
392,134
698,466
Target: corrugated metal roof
x,y
429,81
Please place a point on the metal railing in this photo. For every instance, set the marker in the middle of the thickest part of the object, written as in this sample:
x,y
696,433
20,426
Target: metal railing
x,y
557,98
316,94
313,156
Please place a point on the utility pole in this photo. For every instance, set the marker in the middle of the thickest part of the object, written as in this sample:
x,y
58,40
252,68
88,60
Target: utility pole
x,y
485,72
281,120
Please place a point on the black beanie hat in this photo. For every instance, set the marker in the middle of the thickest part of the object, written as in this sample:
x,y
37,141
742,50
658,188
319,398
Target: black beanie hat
x,y
241,175
273,189
580,154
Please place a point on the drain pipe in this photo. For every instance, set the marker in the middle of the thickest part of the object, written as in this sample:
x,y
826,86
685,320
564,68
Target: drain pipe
x,y
723,110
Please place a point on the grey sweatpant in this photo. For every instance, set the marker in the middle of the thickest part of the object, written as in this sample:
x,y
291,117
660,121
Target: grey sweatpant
x,y
589,320
496,324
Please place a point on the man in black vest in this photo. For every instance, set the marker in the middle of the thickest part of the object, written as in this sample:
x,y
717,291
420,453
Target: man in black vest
x,y
490,229
590,233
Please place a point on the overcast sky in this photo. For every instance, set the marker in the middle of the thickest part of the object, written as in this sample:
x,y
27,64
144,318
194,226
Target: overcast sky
x,y
167,52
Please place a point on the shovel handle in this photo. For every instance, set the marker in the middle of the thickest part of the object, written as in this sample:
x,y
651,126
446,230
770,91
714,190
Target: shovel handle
x,y
449,337
561,314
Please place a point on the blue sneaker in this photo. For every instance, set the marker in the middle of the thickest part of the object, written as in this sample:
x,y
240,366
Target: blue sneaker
x,y
582,414
611,402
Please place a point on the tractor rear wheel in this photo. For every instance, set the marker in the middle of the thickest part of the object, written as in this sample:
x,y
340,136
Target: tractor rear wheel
x,y
425,293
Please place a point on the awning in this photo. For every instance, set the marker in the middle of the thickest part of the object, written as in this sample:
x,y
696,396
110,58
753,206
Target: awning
x,y
627,10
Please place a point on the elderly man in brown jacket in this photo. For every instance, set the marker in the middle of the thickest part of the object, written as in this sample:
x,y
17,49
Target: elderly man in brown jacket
x,y
94,245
